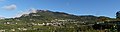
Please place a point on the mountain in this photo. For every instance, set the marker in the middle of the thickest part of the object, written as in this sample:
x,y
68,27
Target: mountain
x,y
46,15
47,21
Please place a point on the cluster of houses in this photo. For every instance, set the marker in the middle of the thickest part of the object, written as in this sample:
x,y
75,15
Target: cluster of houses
x,y
2,30
48,24
20,29
10,23
62,20
55,22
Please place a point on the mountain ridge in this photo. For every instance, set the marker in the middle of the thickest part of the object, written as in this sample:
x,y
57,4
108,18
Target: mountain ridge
x,y
50,15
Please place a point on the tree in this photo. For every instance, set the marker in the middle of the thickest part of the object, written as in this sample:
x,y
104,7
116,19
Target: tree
x,y
118,15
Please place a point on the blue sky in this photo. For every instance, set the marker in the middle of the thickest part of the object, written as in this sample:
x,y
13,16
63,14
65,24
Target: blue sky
x,y
11,8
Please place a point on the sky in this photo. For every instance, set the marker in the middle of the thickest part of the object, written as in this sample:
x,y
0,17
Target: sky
x,y
13,8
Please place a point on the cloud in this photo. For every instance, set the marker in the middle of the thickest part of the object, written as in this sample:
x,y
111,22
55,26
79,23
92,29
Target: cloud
x,y
10,7
27,11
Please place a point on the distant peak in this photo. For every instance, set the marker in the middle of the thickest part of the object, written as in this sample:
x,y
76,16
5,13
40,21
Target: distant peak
x,y
32,10
43,11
